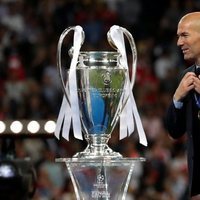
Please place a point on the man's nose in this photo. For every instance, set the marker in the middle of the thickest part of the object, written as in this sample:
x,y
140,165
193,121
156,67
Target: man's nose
x,y
179,42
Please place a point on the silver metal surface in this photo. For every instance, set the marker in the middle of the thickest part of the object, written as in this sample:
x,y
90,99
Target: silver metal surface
x,y
100,81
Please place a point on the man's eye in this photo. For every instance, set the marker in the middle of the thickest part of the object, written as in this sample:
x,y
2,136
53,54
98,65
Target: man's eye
x,y
185,35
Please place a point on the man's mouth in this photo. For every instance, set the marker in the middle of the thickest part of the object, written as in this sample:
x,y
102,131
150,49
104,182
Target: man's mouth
x,y
185,51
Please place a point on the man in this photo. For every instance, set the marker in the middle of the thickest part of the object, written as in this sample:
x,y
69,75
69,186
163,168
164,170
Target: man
x,y
183,115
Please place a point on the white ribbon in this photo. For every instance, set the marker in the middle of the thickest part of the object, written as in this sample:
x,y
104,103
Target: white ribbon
x,y
129,111
73,85
64,118
70,113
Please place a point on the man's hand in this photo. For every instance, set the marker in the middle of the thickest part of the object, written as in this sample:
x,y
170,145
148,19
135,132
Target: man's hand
x,y
188,82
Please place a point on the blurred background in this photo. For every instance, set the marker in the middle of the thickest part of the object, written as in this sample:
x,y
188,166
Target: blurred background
x,y
30,88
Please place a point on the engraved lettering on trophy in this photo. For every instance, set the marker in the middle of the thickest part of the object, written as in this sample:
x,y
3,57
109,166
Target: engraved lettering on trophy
x,y
104,92
100,191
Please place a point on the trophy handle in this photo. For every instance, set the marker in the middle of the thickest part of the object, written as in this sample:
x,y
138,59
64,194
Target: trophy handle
x,y
62,37
112,39
133,49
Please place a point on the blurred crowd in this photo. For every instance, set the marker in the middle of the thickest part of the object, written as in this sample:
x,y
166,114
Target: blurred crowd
x,y
30,87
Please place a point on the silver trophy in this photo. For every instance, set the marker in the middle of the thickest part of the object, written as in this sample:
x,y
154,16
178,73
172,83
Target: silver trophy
x,y
103,88
98,94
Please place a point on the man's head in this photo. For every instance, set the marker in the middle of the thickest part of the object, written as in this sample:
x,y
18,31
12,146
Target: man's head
x,y
188,33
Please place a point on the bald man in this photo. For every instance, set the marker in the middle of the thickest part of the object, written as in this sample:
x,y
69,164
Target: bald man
x,y
183,115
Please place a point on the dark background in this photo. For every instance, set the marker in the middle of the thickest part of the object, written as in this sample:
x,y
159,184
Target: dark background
x,y
30,88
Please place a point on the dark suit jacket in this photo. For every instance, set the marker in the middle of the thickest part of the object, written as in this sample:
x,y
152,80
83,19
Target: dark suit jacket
x,y
185,120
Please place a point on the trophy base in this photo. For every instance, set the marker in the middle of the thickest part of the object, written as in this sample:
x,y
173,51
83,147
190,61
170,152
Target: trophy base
x,y
99,151
101,179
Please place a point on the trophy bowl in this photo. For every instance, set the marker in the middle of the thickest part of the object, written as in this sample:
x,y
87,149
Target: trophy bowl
x,y
100,85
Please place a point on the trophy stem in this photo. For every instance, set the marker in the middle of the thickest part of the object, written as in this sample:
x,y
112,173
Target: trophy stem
x,y
97,148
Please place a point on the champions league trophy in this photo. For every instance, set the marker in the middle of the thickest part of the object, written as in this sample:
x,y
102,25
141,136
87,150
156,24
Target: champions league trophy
x,y
98,94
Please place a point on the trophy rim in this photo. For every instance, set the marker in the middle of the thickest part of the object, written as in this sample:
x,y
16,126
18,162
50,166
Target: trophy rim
x,y
124,160
100,52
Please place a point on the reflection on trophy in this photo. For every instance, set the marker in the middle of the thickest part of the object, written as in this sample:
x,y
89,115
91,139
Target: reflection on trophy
x,y
100,82
98,94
